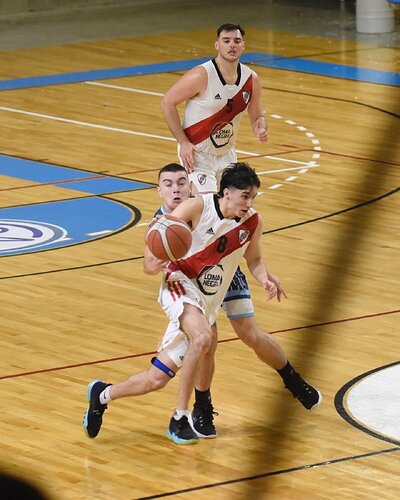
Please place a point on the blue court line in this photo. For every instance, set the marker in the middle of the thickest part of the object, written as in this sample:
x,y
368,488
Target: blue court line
x,y
100,74
35,171
256,58
104,74
335,70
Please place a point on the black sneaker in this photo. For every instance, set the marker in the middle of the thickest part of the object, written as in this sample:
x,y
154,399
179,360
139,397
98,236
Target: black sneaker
x,y
308,395
94,415
202,421
180,432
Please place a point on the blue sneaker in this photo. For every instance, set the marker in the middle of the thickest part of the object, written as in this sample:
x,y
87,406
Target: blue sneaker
x,y
94,415
180,432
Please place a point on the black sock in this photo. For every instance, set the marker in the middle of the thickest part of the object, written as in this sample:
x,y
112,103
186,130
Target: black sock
x,y
286,372
202,398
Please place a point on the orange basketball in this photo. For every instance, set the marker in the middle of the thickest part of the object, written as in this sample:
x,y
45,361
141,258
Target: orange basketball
x,y
169,238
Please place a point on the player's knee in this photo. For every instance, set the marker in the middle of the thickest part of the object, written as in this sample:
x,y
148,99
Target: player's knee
x,y
203,341
158,380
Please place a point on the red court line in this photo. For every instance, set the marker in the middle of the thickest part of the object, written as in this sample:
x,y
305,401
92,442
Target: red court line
x,y
101,176
352,157
261,155
131,356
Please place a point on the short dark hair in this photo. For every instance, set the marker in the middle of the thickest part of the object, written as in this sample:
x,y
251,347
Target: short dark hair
x,y
230,27
238,176
171,167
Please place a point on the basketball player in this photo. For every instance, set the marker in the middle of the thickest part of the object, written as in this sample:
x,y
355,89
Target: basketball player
x,y
224,228
173,187
216,94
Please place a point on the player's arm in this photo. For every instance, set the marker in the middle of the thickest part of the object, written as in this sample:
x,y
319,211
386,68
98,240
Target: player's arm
x,y
256,111
258,268
190,211
191,84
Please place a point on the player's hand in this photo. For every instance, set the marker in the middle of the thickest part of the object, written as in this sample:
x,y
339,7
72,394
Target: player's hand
x,y
271,289
156,265
186,154
260,129
151,264
280,291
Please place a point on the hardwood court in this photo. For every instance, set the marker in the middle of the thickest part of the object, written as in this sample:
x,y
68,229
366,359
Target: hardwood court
x,y
75,313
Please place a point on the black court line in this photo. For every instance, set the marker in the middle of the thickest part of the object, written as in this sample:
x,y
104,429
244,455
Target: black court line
x,y
339,212
272,473
223,341
129,259
338,99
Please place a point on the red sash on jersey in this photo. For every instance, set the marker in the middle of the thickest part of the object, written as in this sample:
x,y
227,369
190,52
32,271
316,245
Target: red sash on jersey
x,y
212,255
200,131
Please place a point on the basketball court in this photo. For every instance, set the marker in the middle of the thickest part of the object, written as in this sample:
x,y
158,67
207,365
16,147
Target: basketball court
x,y
82,142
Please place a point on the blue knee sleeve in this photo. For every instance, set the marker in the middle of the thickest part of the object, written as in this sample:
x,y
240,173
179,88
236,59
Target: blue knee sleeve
x,y
164,368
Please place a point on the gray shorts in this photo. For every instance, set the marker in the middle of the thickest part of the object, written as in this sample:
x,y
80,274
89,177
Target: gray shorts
x,y
237,302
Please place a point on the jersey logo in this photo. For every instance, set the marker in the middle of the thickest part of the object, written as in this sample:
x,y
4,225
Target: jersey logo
x,y
217,97
246,96
221,134
210,279
202,178
210,231
243,235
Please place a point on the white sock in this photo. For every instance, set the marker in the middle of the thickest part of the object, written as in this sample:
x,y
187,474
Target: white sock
x,y
105,397
180,413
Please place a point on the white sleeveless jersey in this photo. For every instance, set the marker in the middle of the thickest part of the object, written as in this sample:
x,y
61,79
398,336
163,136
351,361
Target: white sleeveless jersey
x,y
211,121
217,248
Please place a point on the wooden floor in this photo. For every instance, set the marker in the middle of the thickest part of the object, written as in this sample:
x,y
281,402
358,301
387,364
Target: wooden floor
x,y
330,175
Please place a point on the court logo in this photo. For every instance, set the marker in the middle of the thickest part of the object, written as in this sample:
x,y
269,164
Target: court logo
x,y
18,235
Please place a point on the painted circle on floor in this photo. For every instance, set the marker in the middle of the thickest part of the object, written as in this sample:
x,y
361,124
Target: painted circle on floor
x,y
371,402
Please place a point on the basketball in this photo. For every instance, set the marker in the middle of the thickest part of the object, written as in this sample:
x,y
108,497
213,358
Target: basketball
x,y
169,238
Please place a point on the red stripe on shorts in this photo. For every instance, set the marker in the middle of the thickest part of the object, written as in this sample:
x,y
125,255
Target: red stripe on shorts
x,y
171,291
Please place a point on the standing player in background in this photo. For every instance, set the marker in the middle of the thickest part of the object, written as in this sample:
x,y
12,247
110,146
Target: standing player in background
x,y
216,94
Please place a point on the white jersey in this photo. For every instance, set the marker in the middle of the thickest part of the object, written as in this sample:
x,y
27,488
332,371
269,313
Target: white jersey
x,y
211,121
203,276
